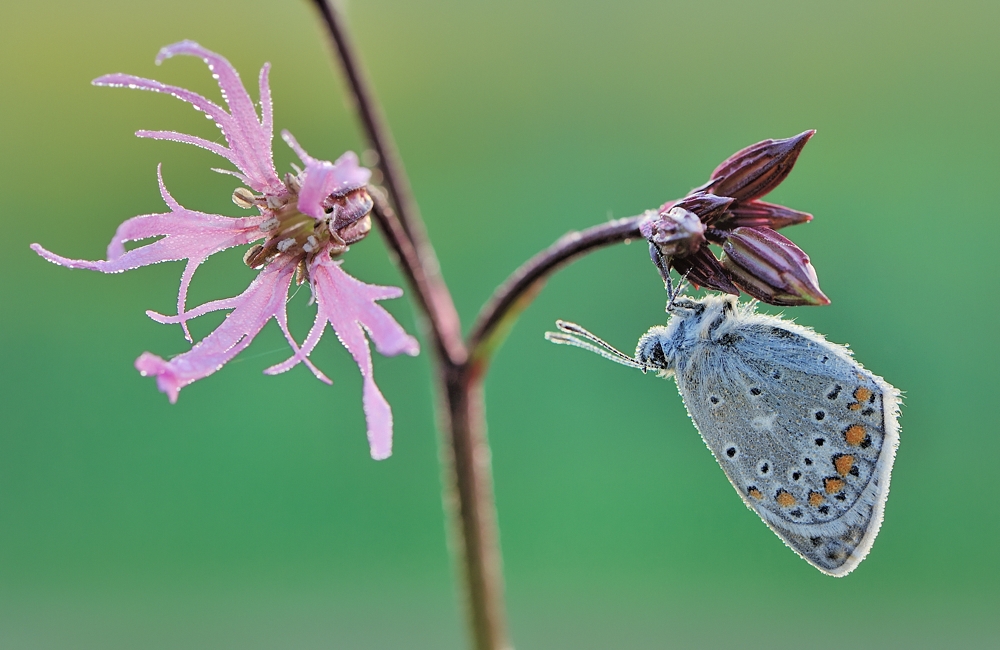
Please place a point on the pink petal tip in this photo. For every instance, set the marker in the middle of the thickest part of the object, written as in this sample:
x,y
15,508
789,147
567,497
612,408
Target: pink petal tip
x,y
150,365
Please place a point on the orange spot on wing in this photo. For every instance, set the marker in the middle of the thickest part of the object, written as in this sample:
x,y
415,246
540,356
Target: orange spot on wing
x,y
854,435
854,406
785,499
755,493
815,498
862,394
843,464
833,485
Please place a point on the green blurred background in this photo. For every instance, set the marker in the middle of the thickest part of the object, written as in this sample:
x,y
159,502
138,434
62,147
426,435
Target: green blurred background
x,y
249,515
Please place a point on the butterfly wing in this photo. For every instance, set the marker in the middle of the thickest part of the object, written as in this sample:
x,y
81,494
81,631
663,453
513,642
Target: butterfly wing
x,y
804,433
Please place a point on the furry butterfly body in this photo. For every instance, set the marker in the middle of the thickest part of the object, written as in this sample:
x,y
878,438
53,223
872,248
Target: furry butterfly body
x,y
806,435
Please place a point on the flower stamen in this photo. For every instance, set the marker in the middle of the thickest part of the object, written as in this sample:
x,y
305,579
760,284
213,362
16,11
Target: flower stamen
x,y
276,202
269,225
245,198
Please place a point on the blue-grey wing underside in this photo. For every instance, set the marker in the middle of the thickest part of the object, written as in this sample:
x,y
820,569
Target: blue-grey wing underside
x,y
804,433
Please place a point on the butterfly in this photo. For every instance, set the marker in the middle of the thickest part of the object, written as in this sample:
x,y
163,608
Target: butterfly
x,y
805,433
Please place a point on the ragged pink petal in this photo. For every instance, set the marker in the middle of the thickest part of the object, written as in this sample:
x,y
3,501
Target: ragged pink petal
x,y
263,300
289,139
249,139
174,136
350,307
282,318
206,106
266,108
323,178
238,146
240,105
186,234
229,172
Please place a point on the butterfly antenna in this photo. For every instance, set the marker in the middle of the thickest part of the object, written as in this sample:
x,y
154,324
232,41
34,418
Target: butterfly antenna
x,y
573,334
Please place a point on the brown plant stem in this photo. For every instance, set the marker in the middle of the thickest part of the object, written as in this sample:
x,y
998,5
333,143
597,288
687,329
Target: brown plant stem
x,y
475,534
468,481
468,485
445,326
439,324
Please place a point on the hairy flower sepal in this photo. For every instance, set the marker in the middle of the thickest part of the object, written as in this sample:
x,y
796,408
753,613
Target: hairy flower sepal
x,y
306,220
771,268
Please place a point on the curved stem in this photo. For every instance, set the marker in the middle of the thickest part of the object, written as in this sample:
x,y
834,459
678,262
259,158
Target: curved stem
x,y
497,316
406,223
468,482
468,478
428,295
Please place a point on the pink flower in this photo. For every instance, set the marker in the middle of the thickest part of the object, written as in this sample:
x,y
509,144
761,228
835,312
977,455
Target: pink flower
x,y
307,221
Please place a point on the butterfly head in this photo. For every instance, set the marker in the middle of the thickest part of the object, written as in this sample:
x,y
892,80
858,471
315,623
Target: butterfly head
x,y
656,350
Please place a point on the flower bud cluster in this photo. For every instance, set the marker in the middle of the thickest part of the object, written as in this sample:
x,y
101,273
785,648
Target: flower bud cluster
x,y
726,211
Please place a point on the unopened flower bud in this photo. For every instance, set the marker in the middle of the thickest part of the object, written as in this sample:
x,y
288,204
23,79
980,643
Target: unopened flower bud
x,y
675,232
760,214
753,172
771,268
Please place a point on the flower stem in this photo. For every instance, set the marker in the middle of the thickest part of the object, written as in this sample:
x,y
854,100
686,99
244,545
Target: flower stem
x,y
516,293
475,534
445,326
468,480
433,298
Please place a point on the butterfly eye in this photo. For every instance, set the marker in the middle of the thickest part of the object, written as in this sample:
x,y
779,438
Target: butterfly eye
x,y
650,351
